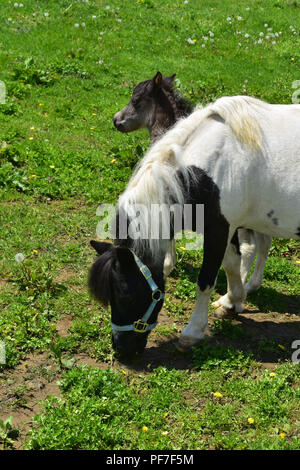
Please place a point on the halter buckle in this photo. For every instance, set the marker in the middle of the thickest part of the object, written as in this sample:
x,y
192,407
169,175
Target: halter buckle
x,y
140,326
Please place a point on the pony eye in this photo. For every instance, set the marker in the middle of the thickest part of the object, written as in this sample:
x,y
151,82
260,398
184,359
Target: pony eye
x,y
135,102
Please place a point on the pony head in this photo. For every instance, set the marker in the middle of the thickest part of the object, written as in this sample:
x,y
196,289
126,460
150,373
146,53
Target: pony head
x,y
116,279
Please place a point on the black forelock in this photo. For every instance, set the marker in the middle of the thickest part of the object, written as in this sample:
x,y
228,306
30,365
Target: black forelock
x,y
101,277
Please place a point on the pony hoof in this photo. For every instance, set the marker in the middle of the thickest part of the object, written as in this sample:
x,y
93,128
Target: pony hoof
x,y
223,312
186,343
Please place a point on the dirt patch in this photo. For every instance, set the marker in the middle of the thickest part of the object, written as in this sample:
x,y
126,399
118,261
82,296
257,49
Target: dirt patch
x,y
23,389
64,325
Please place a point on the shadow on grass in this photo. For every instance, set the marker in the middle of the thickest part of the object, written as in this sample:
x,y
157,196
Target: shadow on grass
x,y
268,342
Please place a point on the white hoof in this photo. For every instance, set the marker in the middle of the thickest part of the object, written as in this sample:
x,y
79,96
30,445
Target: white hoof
x,y
185,343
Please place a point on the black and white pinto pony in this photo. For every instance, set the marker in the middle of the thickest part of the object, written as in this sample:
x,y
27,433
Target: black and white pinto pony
x,y
157,105
240,157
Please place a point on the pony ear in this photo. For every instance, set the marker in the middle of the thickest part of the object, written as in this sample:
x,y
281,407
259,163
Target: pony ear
x,y
170,79
100,247
158,79
125,257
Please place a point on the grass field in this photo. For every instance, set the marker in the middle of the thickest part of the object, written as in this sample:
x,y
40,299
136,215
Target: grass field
x,y
68,67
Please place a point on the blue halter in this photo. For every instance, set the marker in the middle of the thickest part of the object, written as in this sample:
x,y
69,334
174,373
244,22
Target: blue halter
x,y
141,325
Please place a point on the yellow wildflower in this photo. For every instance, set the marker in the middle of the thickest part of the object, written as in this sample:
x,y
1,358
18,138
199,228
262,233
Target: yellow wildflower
x,y
280,346
113,160
123,371
166,415
272,374
144,428
164,433
217,394
51,166
250,420
35,252
282,435
30,138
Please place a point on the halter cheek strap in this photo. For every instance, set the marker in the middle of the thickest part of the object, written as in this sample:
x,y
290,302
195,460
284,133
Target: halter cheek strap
x,y
141,325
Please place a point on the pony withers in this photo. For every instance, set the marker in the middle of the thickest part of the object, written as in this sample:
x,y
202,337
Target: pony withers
x,y
240,157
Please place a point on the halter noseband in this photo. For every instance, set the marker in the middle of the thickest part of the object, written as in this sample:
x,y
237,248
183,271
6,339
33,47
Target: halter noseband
x,y
141,325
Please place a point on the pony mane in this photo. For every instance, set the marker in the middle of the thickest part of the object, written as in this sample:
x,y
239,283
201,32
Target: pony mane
x,y
181,106
156,179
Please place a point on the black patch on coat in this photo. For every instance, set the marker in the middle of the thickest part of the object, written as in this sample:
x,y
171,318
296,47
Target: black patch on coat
x,y
236,243
199,188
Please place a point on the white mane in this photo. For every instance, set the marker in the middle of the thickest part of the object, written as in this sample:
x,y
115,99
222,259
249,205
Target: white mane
x,y
155,180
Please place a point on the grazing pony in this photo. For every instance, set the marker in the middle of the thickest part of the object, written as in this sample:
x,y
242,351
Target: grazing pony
x,y
240,157
156,105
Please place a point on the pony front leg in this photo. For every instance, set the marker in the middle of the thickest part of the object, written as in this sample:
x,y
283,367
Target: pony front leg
x,y
193,333
232,301
170,259
215,242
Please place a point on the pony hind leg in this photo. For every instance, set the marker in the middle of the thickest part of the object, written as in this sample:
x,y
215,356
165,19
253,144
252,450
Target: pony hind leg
x,y
263,244
170,259
242,250
232,301
215,242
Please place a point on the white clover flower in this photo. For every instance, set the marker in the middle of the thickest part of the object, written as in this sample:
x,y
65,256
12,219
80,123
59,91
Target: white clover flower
x,y
186,1
9,19
266,25
76,25
247,35
239,18
248,8
212,40
273,42
228,18
21,5
101,33
19,257
205,38
83,24
276,35
119,20
107,7
46,14
203,45
291,27
270,29
190,41
100,62
94,16
16,5
259,41
261,34
211,34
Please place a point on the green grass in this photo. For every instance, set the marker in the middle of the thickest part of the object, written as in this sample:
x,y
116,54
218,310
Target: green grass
x,y
60,156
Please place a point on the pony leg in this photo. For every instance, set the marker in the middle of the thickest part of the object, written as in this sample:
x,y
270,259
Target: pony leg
x,y
248,247
263,243
246,243
215,241
170,259
232,301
